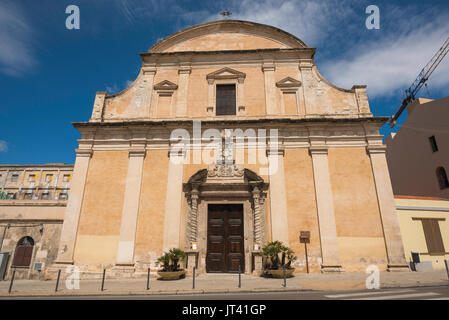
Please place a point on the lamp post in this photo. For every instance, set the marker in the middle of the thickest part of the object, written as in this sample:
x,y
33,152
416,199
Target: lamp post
x,y
304,237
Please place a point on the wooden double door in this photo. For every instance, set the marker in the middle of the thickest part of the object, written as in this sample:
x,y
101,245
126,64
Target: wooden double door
x,y
225,241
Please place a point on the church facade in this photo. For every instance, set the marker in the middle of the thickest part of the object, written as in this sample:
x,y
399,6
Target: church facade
x,y
230,138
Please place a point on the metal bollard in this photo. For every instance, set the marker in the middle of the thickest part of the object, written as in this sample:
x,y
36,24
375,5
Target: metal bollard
x,y
285,277
447,267
193,280
102,281
12,280
57,280
240,277
148,279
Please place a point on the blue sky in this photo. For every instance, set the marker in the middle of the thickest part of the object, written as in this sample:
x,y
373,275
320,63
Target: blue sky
x,y
49,75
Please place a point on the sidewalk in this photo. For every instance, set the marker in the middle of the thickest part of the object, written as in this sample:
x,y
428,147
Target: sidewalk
x,y
223,283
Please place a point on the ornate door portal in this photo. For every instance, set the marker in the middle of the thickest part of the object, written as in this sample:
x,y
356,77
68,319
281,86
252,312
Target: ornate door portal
x,y
225,217
225,241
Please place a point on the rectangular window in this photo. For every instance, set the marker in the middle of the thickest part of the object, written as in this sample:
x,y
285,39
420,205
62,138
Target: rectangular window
x,y
226,100
31,177
433,144
66,178
48,177
433,237
14,178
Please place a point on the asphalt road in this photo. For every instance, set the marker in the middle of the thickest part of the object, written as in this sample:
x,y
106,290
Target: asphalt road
x,y
417,293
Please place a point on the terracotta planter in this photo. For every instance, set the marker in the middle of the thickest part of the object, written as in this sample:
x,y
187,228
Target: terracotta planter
x,y
167,275
279,273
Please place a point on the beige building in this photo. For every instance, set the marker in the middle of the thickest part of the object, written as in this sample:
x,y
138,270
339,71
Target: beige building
x,y
424,223
418,155
230,138
32,206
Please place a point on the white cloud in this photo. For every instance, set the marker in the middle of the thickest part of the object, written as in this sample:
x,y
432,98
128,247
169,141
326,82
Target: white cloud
x,y
115,88
311,21
389,62
16,54
3,146
393,62
112,89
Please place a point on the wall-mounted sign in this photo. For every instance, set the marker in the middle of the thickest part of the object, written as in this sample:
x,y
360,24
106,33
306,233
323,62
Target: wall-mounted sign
x,y
194,246
304,236
38,266
256,246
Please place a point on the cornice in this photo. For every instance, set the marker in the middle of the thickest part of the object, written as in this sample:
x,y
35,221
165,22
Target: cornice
x,y
376,148
226,73
209,57
83,152
318,149
165,85
213,122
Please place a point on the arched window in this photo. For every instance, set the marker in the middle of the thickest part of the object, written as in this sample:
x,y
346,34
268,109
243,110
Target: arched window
x,y
24,252
442,178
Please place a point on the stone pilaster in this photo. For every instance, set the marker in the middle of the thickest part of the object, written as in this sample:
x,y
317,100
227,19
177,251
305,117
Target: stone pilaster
x,y
148,73
306,78
325,207
97,111
270,89
73,209
388,214
173,200
183,84
278,197
125,253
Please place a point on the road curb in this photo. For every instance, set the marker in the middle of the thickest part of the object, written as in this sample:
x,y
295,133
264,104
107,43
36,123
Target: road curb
x,y
194,291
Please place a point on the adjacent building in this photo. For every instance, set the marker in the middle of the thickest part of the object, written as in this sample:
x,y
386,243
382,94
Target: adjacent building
x,y
418,157
424,223
418,154
33,200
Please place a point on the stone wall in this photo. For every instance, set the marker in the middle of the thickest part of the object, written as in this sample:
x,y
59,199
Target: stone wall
x,y
46,239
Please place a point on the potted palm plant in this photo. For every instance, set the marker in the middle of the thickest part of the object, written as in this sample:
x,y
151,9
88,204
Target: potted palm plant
x,y
276,256
169,261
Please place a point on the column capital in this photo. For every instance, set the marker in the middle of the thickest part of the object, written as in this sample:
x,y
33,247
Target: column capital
x,y
268,67
137,153
185,70
194,193
378,148
149,70
280,151
84,152
178,154
305,64
321,149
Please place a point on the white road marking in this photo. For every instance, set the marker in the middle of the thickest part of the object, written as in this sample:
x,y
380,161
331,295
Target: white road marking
x,y
400,296
346,295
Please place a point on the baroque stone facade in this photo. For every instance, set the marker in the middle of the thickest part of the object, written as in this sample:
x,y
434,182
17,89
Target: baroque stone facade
x,y
311,159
